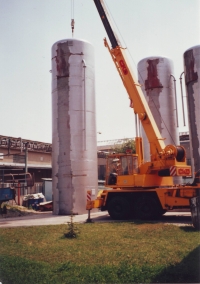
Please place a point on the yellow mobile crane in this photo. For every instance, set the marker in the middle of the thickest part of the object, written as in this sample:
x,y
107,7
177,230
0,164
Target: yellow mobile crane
x,y
135,187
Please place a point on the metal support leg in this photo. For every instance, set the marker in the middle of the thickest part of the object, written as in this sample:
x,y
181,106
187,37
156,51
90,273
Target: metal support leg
x,y
89,220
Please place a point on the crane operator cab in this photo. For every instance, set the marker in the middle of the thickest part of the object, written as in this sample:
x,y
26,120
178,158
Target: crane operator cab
x,y
120,165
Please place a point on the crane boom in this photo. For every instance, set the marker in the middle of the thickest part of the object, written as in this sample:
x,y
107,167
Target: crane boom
x,y
130,82
140,105
105,20
158,150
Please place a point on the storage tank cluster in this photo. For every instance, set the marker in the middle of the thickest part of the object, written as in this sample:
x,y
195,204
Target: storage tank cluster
x,y
74,145
155,74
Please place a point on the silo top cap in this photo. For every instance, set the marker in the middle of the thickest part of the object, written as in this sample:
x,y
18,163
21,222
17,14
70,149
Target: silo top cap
x,y
154,57
193,47
71,39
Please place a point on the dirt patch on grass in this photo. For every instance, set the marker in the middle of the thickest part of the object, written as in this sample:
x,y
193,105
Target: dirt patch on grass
x,y
16,211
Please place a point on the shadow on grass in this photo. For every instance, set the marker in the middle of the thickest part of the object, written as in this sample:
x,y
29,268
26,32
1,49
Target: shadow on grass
x,y
188,229
163,219
187,271
17,270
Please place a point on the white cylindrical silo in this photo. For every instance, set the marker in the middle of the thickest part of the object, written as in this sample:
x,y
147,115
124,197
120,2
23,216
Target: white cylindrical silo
x,y
192,81
74,146
154,75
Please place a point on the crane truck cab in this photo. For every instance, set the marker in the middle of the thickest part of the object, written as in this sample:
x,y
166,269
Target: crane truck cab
x,y
120,169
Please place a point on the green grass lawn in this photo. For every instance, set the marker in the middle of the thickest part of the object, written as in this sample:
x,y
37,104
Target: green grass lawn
x,y
120,252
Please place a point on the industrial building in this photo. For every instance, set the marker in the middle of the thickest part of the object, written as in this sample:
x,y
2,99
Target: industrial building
x,y
12,156
19,155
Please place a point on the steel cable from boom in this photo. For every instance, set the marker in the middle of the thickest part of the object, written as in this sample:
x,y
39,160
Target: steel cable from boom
x,y
72,17
152,100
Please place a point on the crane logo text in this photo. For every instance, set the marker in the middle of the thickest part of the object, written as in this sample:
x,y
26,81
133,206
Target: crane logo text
x,y
123,67
184,171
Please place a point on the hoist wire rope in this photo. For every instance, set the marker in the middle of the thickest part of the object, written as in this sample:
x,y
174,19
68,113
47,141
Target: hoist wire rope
x,y
162,119
72,9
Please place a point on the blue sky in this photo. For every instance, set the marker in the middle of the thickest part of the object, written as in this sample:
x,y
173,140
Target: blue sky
x,y
29,28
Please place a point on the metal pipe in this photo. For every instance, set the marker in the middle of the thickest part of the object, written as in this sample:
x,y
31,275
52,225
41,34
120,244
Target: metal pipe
x,y
136,125
183,109
19,194
9,142
175,99
26,157
84,98
140,128
26,162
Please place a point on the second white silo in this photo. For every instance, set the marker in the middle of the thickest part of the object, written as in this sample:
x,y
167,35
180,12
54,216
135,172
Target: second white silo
x,y
154,74
192,80
74,146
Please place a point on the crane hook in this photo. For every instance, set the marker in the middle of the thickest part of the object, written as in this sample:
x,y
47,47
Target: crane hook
x,y
72,26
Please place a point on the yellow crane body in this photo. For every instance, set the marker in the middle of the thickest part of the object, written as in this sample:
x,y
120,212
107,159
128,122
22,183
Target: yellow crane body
x,y
136,187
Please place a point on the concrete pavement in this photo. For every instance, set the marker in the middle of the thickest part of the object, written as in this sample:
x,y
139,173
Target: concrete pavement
x,y
46,218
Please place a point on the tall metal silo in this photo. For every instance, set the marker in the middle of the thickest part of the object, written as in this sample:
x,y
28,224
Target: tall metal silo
x,y
191,59
154,74
74,145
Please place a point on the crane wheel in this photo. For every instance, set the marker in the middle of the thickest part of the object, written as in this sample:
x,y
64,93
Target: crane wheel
x,y
119,208
147,208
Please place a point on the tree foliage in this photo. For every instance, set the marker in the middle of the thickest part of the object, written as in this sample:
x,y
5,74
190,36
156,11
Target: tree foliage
x,y
127,145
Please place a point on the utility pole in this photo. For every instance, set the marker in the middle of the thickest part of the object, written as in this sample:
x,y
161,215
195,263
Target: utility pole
x,y
26,162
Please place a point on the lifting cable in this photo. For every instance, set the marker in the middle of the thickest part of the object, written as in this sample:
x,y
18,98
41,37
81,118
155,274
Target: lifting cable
x,y
72,17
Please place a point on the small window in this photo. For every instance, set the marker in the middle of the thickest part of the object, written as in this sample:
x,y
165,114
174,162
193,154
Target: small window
x,y
135,165
129,165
